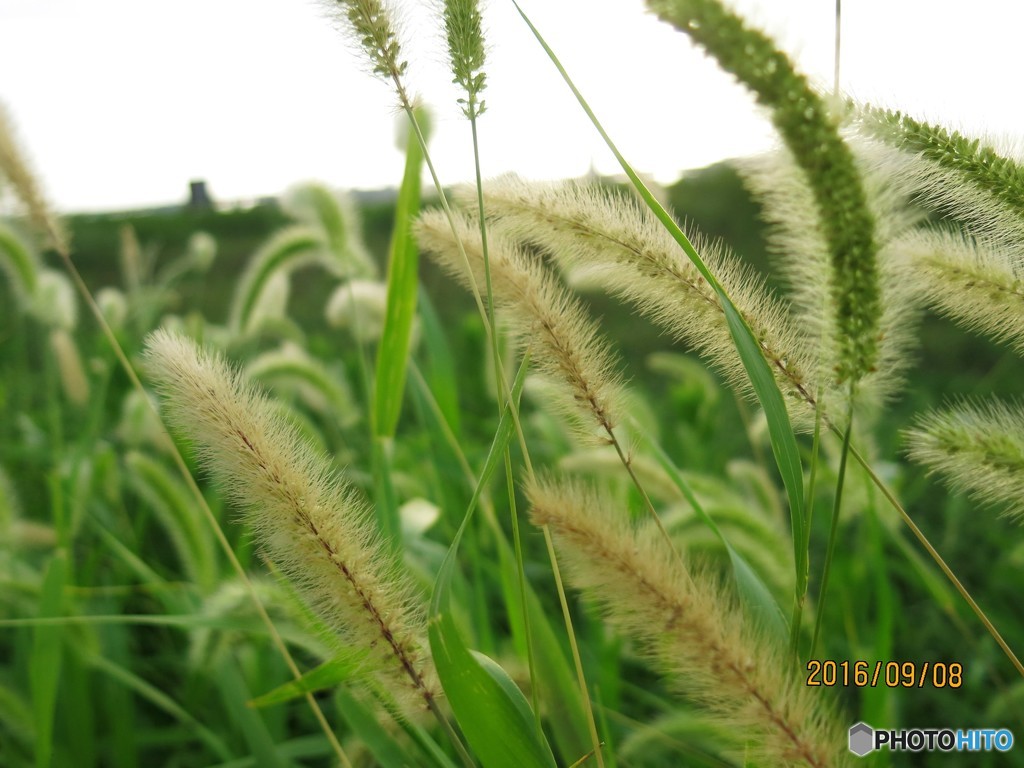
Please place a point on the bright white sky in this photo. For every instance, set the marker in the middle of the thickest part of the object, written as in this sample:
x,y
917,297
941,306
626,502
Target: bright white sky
x,y
121,102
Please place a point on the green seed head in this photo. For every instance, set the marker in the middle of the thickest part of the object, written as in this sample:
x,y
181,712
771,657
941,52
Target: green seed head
x,y
466,47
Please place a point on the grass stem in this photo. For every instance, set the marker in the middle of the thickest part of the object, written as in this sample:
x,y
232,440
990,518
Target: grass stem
x,y
834,529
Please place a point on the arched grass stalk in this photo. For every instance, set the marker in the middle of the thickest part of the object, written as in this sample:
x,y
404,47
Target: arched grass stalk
x,y
316,206
811,134
321,388
283,253
172,505
15,169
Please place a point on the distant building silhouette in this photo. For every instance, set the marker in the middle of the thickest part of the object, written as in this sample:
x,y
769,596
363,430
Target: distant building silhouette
x,y
198,197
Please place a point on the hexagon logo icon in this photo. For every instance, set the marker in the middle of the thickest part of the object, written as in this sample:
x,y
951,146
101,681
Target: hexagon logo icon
x,y
861,739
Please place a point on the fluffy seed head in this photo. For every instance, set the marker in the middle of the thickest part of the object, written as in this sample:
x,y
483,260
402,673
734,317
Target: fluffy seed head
x,y
801,250
811,134
691,629
372,24
975,179
309,521
73,380
630,252
54,302
16,170
975,447
974,282
541,315
462,24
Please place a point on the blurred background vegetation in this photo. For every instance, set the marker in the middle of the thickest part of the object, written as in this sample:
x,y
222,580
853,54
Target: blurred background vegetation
x,y
710,430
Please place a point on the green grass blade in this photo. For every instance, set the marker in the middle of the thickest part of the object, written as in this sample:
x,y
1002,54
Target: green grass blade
x,y
330,674
44,671
556,681
757,599
439,369
364,724
235,693
492,712
783,438
780,430
20,262
282,253
16,720
161,701
170,502
403,283
385,495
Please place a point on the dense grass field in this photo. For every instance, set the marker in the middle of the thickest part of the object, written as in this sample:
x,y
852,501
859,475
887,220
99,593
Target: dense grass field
x,y
523,478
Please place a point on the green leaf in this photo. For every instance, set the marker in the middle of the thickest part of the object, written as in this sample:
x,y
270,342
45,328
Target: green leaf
x,y
439,370
160,700
556,681
234,693
401,307
21,264
330,674
175,509
492,712
44,670
756,597
364,724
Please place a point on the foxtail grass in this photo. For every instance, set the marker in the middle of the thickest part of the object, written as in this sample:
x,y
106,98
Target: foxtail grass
x,y
975,179
633,256
975,282
73,380
20,263
690,628
310,521
53,304
800,252
975,447
810,131
334,215
322,389
15,170
564,343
